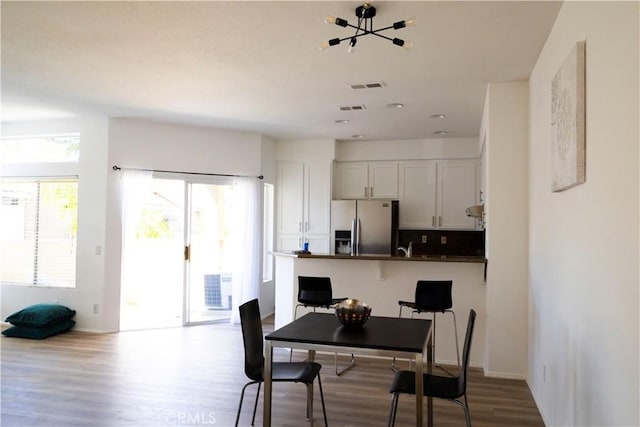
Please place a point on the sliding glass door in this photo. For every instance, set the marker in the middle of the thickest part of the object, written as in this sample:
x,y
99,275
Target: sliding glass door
x,y
209,265
152,289
180,272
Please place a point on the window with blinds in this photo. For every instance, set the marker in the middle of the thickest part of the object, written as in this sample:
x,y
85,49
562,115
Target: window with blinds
x,y
38,232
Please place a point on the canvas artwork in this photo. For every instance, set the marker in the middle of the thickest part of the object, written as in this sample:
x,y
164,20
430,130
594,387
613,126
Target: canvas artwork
x,y
568,121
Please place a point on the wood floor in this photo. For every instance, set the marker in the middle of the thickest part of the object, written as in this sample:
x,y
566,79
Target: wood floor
x,y
193,376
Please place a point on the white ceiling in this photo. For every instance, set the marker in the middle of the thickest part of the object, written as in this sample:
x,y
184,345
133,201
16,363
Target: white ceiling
x,y
256,66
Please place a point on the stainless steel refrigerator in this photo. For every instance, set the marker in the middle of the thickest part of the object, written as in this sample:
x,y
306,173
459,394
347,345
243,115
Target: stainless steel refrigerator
x,y
364,227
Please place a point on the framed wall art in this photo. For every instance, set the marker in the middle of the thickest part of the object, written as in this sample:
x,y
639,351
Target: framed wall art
x,y
568,121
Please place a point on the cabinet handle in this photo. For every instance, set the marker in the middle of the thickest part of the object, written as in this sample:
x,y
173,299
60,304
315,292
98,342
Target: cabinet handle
x,y
306,226
371,192
300,226
433,221
439,221
366,191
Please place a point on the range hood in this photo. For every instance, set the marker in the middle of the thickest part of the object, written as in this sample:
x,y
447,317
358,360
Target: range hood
x,y
476,211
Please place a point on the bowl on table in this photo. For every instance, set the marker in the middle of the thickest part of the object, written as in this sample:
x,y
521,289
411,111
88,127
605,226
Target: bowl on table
x,y
352,313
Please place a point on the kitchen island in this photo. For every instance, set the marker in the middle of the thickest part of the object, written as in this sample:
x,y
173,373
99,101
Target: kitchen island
x,y
382,280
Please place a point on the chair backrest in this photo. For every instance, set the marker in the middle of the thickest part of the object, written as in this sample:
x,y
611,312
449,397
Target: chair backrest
x,y
466,353
314,290
433,295
253,340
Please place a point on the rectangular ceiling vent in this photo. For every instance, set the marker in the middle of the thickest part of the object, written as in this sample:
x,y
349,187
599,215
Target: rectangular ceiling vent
x,y
352,107
374,85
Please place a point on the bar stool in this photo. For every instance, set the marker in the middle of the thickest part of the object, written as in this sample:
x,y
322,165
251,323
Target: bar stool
x,y
316,292
432,296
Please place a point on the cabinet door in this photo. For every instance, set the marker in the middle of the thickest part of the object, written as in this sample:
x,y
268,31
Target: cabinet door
x,y
317,195
417,196
354,180
289,242
383,180
319,244
457,193
290,192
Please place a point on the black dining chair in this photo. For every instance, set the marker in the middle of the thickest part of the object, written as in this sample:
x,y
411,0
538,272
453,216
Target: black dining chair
x,y
316,292
449,388
433,296
298,372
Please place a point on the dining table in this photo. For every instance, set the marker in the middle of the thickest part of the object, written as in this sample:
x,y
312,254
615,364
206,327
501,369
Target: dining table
x,y
379,336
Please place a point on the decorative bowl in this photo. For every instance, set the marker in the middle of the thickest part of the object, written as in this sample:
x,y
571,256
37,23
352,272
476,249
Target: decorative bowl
x,y
353,313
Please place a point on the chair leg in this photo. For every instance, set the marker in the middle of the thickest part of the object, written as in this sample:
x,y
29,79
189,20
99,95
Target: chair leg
x,y
393,411
324,411
346,368
309,401
295,316
455,331
255,405
394,368
242,398
467,415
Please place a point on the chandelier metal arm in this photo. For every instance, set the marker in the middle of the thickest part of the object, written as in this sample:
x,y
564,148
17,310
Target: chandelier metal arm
x,y
365,14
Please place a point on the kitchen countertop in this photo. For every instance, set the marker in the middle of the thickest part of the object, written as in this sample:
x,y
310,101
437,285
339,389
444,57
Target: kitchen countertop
x,y
380,257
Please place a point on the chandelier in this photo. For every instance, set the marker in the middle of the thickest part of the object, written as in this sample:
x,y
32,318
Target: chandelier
x,y
365,14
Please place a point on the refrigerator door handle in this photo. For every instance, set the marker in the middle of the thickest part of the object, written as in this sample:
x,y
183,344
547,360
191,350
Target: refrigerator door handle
x,y
354,237
358,230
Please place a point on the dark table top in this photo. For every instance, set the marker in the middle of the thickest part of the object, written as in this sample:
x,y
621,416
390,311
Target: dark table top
x,y
380,333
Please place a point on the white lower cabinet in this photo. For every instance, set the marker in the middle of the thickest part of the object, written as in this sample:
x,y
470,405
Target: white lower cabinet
x,y
318,244
435,194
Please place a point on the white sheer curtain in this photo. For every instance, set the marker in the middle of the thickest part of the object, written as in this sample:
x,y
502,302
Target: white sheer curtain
x,y
247,238
134,185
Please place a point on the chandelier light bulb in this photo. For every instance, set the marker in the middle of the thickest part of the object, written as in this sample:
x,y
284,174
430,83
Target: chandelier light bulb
x,y
352,44
330,20
407,45
411,22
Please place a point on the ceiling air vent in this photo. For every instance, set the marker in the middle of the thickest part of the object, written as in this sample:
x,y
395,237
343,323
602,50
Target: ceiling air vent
x,y
352,107
374,85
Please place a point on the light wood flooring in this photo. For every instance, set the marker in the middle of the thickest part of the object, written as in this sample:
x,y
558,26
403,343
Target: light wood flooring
x,y
192,376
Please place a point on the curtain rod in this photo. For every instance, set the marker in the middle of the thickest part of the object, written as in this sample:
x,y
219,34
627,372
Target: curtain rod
x,y
117,168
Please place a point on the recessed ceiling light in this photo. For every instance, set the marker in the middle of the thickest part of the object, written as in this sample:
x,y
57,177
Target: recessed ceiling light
x,y
395,105
357,136
441,132
438,116
342,121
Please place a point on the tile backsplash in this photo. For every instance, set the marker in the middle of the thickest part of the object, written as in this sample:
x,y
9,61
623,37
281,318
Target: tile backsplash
x,y
444,242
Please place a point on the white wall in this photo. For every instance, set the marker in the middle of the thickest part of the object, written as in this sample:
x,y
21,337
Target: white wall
x,y
425,149
320,149
506,229
129,143
267,289
583,326
153,145
90,269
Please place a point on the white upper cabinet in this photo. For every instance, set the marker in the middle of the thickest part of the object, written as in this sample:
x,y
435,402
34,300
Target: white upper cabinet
x,y
435,194
456,192
417,200
304,205
367,180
